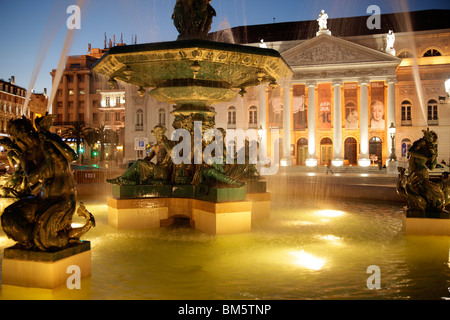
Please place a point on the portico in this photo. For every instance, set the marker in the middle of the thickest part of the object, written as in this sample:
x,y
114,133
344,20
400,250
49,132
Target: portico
x,y
338,105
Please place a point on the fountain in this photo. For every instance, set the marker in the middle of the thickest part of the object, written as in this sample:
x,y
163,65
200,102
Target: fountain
x,y
192,73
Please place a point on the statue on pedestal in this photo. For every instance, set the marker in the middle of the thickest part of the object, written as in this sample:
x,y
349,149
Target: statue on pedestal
x,y
423,195
41,218
323,17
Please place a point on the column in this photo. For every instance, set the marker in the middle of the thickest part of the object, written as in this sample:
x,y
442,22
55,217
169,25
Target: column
x,y
337,125
286,159
262,124
390,112
312,114
364,160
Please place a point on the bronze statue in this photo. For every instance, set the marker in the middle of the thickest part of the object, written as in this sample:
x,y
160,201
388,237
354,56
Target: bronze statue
x,y
41,218
423,194
144,171
193,18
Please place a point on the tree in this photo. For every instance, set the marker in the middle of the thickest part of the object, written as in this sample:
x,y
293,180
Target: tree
x,y
78,131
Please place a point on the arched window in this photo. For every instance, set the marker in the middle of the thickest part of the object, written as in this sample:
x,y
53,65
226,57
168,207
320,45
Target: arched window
x,y
432,108
432,53
252,117
231,117
406,113
162,117
139,120
405,54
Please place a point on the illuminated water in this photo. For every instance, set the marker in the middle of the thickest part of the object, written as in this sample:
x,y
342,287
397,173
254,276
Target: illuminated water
x,y
304,251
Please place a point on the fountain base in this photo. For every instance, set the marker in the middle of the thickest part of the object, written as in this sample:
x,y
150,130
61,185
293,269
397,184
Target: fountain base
x,y
417,223
220,211
46,270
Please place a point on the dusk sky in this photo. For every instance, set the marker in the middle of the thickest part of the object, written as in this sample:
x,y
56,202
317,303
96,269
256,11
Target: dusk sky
x,y
34,32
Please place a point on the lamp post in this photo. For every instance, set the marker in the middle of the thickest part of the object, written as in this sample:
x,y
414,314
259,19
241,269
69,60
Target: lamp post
x,y
393,157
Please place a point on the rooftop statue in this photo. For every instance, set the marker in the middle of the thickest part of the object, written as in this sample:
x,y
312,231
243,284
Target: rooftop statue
x,y
193,18
424,196
322,20
390,40
41,218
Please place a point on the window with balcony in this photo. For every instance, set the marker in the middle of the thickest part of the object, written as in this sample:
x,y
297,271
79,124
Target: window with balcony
x,y
252,117
162,117
432,108
139,120
231,117
406,113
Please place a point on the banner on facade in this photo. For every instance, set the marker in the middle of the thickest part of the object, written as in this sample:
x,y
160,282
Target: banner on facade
x,y
274,103
351,105
324,95
299,107
377,108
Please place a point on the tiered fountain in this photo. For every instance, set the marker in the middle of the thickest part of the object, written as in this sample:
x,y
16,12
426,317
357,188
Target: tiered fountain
x,y
191,73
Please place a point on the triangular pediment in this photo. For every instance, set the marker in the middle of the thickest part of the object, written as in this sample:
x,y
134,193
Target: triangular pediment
x,y
326,49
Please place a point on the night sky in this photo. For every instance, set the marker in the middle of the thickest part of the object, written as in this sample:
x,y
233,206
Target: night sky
x,y
34,32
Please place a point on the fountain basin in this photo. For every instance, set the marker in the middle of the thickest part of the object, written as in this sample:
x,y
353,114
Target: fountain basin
x,y
192,71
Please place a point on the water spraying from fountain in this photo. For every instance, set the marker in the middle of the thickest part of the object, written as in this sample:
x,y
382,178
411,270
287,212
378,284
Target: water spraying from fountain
x,y
415,65
53,25
62,62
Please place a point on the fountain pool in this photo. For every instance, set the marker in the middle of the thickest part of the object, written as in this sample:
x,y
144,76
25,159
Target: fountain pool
x,y
305,250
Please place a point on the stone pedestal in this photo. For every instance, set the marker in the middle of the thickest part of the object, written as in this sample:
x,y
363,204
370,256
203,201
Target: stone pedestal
x,y
215,210
435,225
47,270
222,218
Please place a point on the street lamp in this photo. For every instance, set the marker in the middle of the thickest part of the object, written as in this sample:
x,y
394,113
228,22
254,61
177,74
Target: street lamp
x,y
393,157
260,133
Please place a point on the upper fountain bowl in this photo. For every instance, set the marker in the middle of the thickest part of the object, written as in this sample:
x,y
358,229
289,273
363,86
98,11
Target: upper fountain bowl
x,y
193,71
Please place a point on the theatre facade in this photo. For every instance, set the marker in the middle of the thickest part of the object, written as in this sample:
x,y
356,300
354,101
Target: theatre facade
x,y
357,98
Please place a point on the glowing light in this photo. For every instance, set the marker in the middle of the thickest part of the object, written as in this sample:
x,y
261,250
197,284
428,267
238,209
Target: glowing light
x,y
311,162
332,239
311,174
329,213
307,260
364,162
76,225
364,175
337,162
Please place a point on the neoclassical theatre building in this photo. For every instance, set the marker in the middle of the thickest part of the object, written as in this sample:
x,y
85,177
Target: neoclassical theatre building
x,y
358,95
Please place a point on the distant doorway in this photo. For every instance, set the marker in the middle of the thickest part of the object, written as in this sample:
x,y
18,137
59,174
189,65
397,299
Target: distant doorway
x,y
326,151
350,150
375,150
302,151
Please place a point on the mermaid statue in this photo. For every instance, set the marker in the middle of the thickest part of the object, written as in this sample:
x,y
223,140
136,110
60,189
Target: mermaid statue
x,y
41,218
